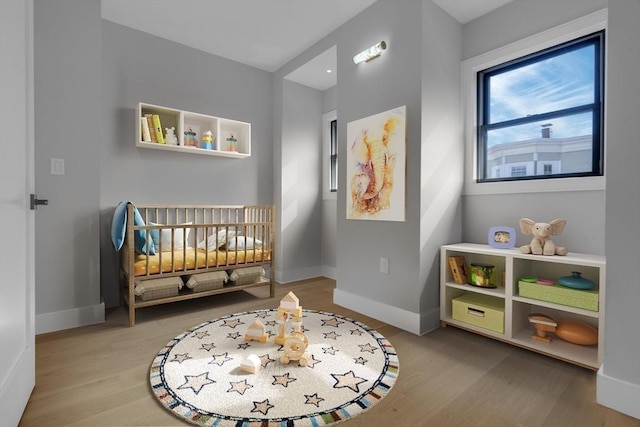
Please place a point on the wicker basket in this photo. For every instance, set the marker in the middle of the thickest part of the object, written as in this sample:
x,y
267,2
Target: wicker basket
x,y
158,288
207,281
244,276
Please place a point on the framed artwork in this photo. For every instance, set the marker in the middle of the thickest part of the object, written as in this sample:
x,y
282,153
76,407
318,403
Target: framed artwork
x,y
502,237
376,158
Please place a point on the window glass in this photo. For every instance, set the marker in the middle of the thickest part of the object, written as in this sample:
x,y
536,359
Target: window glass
x,y
541,115
333,185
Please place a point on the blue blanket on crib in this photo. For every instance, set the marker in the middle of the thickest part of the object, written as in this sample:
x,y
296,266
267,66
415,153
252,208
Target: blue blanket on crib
x,y
119,230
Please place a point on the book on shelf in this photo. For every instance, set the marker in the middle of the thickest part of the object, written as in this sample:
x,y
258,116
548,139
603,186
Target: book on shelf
x,y
458,267
144,130
157,127
152,132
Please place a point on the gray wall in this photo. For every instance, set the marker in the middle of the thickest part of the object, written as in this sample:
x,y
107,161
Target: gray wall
x,y
583,210
591,215
329,208
622,343
442,156
420,70
68,112
300,193
393,80
139,67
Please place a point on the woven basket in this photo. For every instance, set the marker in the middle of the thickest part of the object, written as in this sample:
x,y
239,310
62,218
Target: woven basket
x,y
158,288
207,281
244,276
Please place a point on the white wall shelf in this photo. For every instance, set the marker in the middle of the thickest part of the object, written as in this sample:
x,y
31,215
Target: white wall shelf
x,y
182,121
517,328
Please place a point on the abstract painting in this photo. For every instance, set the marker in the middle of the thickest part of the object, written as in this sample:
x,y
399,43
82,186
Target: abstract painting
x,y
376,166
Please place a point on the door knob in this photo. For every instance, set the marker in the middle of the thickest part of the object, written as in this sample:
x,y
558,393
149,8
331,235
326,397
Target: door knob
x,y
35,202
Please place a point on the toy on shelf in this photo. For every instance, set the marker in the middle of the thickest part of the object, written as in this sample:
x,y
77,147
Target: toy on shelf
x,y
190,138
231,142
207,140
256,331
541,244
170,137
251,364
570,331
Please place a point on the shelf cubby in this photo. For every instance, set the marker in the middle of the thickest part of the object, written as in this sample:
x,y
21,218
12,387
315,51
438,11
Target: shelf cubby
x,y
517,329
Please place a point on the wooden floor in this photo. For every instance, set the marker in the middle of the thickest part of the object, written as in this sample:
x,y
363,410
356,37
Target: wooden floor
x,y
99,375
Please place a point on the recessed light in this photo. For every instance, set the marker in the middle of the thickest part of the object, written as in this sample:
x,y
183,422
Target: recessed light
x,y
329,71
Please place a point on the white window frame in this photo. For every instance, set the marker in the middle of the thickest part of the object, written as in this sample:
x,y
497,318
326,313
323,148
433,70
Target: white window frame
x,y
563,33
327,118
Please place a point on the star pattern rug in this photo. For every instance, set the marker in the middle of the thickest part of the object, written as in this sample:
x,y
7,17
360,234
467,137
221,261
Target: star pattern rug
x,y
198,376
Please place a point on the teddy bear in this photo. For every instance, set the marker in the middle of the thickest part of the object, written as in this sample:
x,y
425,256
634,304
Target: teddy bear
x,y
541,244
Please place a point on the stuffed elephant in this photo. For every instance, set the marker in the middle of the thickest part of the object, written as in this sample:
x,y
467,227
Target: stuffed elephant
x,y
541,244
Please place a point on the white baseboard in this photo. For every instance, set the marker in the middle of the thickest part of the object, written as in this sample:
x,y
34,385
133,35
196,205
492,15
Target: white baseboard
x,y
60,320
617,394
294,275
329,272
415,323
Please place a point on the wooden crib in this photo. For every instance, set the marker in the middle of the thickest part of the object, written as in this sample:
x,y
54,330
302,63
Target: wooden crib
x,y
175,253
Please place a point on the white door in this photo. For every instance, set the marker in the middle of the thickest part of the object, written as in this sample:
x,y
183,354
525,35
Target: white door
x,y
17,287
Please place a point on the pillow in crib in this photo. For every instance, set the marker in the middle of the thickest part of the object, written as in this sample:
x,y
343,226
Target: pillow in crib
x,y
179,235
217,239
243,242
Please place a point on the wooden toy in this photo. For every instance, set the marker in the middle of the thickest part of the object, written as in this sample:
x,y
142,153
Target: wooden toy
x,y
577,332
542,325
251,364
295,349
256,331
290,302
568,330
289,309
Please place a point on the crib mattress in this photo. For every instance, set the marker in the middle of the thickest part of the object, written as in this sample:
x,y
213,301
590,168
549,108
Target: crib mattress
x,y
192,259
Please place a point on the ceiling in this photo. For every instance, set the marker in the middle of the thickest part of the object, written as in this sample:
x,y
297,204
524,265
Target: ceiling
x,y
265,34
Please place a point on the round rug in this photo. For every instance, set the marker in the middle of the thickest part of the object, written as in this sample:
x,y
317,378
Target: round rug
x,y
198,375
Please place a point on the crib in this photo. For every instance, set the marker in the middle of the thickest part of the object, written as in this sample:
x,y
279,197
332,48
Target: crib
x,y
175,253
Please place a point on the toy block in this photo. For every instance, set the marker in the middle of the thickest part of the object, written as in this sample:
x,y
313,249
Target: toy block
x,y
290,301
256,331
251,364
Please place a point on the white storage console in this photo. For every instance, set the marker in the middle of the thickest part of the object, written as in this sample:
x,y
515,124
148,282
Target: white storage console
x,y
510,266
231,138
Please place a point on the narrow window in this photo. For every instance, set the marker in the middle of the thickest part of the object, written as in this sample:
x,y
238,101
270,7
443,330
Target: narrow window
x,y
329,155
333,157
544,110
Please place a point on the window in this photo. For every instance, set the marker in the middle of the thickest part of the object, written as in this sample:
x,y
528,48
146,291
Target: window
x,y
329,155
333,157
518,171
540,110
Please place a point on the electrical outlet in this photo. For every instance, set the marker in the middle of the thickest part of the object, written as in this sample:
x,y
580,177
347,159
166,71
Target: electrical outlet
x,y
384,265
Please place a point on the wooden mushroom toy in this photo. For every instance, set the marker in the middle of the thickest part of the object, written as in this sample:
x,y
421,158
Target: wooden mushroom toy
x,y
569,330
542,325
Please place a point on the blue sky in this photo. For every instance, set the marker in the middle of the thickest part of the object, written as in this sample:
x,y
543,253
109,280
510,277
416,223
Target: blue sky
x,y
556,83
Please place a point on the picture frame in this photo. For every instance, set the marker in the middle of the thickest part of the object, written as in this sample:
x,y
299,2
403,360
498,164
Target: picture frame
x,y
376,166
501,237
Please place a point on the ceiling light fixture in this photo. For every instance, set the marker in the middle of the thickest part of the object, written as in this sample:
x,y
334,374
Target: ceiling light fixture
x,y
373,52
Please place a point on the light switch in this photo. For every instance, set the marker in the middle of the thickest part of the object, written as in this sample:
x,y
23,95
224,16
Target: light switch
x,y
57,166
384,265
